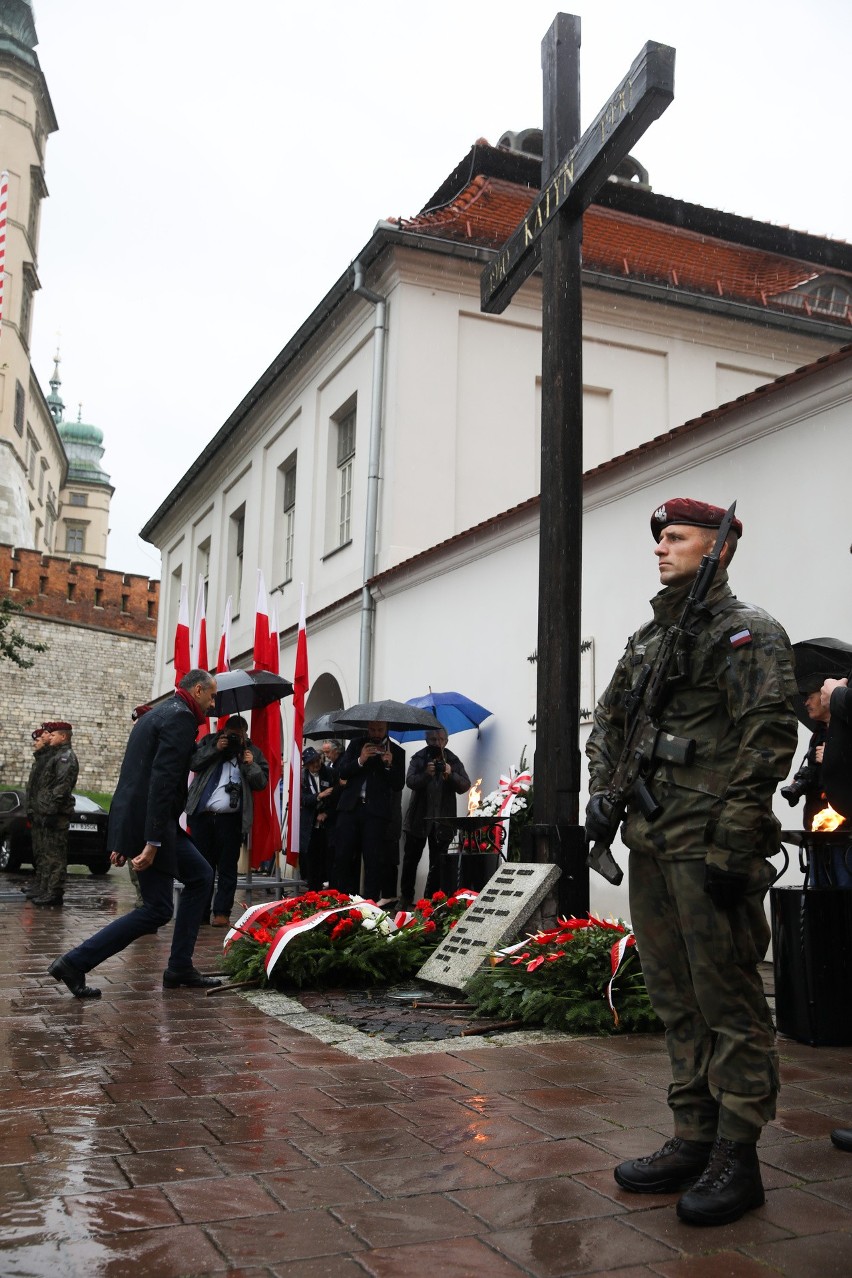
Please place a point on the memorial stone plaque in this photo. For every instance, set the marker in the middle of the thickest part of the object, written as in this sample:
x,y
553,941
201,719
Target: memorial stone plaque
x,y
496,916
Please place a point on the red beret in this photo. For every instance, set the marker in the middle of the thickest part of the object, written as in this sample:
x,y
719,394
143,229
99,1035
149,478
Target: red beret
x,y
138,712
684,510
57,725
37,732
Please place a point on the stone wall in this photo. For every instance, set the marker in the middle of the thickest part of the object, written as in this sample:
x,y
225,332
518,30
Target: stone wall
x,y
91,677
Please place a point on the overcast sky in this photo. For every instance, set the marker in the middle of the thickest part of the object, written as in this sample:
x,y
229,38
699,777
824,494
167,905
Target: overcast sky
x,y
218,166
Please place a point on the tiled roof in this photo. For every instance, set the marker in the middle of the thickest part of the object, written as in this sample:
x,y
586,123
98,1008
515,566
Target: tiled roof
x,y
489,209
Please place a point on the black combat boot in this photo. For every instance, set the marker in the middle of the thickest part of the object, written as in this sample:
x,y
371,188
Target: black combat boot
x,y
729,1187
674,1167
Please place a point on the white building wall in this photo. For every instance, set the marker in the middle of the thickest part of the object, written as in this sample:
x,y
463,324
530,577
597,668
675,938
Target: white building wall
x,y
467,619
462,400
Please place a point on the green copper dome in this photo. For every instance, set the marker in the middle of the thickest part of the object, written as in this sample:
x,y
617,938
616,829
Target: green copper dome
x,y
17,21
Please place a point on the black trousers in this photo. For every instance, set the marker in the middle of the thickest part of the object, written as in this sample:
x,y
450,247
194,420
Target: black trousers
x,y
359,836
412,852
219,837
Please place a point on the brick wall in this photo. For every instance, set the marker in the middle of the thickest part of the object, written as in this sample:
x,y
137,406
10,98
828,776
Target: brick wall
x,y
80,593
90,677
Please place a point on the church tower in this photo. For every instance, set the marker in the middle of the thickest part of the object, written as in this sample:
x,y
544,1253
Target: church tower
x,y
85,497
32,457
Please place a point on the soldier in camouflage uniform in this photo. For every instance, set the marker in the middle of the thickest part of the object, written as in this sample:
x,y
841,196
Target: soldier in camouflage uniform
x,y
51,804
699,872
40,739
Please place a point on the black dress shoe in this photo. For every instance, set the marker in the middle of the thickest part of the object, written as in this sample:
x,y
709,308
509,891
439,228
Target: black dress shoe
x,y
192,978
51,902
729,1186
674,1167
842,1138
61,970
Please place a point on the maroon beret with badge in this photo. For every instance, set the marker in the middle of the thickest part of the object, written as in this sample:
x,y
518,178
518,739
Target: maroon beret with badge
x,y
57,725
697,514
37,732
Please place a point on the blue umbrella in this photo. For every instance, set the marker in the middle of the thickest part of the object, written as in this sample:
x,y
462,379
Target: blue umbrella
x,y
456,712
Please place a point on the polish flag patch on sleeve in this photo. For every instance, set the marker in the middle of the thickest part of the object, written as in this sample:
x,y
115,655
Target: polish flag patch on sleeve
x,y
741,638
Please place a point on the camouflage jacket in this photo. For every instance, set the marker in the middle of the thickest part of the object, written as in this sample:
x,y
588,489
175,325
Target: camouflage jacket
x,y
54,782
735,703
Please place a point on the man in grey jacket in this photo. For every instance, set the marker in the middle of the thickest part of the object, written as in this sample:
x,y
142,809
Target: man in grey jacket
x,y
228,767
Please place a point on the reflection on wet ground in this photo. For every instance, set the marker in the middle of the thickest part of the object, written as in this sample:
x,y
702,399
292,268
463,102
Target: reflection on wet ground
x,y
167,1133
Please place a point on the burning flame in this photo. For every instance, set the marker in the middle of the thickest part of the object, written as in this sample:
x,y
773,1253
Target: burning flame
x,y
827,819
474,797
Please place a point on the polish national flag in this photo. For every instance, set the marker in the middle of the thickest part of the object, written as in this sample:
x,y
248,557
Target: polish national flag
x,y
266,827
276,737
198,648
300,688
223,660
183,660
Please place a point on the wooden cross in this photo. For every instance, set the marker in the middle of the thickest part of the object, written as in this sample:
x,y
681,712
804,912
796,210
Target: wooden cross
x,y
552,233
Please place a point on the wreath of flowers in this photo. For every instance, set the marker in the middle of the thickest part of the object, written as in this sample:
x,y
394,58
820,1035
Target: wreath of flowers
x,y
328,938
582,976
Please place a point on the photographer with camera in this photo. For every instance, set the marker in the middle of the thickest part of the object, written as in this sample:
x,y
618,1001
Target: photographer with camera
x,y
807,780
435,777
228,767
373,768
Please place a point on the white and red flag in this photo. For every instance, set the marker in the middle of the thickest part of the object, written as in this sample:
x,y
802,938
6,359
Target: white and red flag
x,y
183,659
300,689
276,736
4,202
223,659
198,647
266,827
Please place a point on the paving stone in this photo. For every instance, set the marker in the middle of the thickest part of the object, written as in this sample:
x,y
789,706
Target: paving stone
x,y
144,1121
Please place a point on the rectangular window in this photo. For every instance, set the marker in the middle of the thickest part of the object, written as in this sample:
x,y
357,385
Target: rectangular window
x,y
32,445
202,561
345,469
288,501
173,611
75,540
79,499
99,598
20,408
41,480
236,546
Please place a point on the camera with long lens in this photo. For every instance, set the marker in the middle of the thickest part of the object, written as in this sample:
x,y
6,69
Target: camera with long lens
x,y
234,791
806,779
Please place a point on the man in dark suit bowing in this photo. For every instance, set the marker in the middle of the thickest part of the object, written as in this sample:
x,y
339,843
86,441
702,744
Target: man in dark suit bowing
x,y
144,830
373,769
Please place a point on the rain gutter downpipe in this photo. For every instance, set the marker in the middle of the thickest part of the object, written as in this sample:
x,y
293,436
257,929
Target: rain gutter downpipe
x,y
371,520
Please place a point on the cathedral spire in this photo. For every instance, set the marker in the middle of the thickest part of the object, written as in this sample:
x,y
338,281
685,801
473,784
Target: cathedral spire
x,y
54,399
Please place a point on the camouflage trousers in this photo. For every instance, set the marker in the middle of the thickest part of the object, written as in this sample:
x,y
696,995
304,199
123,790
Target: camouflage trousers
x,y
701,969
50,858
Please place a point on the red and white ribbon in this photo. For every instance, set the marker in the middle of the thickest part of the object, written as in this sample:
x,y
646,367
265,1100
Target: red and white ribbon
x,y
616,958
510,786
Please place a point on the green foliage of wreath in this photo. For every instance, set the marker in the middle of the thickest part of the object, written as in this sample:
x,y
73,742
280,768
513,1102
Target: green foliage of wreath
x,y
343,950
567,990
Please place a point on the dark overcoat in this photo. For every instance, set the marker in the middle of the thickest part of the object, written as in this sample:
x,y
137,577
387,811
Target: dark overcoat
x,y
152,784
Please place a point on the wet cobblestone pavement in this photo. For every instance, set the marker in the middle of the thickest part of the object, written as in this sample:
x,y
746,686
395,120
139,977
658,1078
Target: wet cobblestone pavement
x,y
164,1133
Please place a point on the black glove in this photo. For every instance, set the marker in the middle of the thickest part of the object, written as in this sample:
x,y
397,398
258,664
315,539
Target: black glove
x,y
598,818
725,888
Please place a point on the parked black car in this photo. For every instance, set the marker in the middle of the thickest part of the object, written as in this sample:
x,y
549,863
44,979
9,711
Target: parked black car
x,y
87,835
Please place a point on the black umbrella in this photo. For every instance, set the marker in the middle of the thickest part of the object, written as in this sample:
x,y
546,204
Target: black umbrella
x,y
396,714
328,725
238,690
828,658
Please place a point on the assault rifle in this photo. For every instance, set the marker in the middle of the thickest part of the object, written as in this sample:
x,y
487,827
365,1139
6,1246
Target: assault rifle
x,y
645,743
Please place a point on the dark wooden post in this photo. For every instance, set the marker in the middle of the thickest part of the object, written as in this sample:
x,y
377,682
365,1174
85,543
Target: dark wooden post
x,y
573,170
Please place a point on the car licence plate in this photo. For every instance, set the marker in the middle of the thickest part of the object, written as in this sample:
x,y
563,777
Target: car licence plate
x,y
79,825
